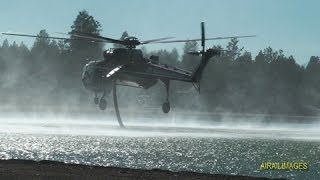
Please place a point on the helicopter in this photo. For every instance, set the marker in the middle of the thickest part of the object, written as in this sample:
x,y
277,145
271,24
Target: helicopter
x,y
127,66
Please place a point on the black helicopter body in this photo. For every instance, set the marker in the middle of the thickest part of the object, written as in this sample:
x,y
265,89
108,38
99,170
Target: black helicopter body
x,y
127,66
131,69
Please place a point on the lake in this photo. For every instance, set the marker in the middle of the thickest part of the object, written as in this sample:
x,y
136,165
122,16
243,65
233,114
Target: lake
x,y
217,149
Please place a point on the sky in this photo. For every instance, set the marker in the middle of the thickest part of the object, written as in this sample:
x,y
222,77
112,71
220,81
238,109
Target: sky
x,y
290,25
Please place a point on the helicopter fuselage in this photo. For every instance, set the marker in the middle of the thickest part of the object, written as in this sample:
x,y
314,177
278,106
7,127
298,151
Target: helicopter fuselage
x,y
128,67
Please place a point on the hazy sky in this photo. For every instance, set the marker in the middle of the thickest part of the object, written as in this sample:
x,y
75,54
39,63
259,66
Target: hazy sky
x,y
292,25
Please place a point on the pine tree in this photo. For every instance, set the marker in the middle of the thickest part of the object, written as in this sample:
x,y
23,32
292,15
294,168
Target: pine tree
x,y
190,62
85,23
233,50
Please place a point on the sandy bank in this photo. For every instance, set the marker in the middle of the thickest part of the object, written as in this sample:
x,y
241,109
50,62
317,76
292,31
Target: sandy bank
x,y
25,169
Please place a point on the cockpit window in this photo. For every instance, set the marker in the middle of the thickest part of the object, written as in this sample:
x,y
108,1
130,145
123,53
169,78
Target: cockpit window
x,y
88,69
84,70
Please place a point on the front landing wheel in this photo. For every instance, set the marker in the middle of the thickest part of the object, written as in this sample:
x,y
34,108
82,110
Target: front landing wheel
x,y
166,107
103,104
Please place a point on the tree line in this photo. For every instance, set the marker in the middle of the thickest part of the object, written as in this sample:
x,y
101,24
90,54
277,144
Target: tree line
x,y
49,73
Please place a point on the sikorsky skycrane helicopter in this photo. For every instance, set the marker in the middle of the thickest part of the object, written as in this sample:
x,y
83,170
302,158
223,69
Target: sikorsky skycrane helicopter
x,y
127,67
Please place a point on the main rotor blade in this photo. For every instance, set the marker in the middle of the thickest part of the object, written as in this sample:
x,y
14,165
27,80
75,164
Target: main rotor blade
x,y
97,37
155,40
49,37
216,38
85,37
36,36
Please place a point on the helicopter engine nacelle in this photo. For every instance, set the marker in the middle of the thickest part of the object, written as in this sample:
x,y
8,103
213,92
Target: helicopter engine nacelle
x,y
154,59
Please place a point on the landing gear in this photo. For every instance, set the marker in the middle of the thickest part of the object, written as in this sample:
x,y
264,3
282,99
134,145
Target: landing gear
x,y
96,99
166,107
166,104
103,104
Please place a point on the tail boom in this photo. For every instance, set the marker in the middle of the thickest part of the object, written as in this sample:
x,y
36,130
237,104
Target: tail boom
x,y
206,56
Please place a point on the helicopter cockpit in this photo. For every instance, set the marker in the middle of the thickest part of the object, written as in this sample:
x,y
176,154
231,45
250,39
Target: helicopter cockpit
x,y
87,74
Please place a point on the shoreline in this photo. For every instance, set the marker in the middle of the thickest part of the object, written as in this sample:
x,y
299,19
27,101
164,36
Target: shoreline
x,y
28,169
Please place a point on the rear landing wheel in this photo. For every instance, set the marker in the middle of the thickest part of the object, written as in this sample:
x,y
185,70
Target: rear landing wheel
x,y
96,100
103,104
166,107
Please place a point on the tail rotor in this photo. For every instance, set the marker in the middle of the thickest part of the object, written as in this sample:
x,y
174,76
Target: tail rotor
x,y
203,38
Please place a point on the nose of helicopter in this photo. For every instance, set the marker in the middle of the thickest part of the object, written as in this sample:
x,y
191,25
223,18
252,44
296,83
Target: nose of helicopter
x,y
86,80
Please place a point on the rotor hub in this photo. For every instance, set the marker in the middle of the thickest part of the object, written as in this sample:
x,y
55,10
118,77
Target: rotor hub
x,y
131,42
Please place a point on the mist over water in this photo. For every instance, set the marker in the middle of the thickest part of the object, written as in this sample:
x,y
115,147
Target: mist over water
x,y
177,141
158,124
